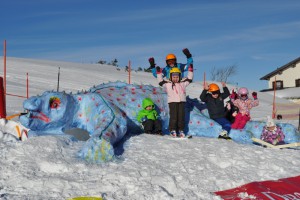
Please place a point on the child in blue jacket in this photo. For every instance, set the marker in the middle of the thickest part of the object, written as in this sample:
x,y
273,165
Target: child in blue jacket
x,y
171,61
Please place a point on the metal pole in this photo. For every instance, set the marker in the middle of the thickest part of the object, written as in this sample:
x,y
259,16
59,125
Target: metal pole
x,y
2,101
27,86
274,98
4,60
129,66
58,79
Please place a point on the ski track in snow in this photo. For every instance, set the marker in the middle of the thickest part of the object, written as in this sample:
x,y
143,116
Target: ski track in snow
x,y
152,167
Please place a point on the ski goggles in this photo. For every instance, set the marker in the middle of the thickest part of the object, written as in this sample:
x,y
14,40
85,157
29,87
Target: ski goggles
x,y
215,92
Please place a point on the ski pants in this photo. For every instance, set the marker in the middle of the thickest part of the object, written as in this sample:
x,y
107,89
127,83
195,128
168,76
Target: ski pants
x,y
240,121
177,116
152,126
226,125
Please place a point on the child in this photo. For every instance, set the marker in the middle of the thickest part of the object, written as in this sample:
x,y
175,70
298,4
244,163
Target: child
x,y
244,105
272,133
176,90
149,118
171,62
231,110
215,106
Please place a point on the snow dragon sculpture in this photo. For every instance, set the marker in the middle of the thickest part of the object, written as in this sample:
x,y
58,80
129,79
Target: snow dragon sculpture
x,y
108,113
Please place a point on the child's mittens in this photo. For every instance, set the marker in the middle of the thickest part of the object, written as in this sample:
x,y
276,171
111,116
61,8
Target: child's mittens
x,y
151,62
158,70
187,52
275,141
191,68
254,94
144,119
233,95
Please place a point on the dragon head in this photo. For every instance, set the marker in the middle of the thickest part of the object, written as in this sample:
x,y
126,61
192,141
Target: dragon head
x,y
48,113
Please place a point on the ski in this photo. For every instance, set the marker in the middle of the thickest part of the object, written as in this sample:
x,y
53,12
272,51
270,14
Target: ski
x,y
263,143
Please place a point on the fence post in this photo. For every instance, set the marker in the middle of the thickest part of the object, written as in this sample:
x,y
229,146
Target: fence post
x,y
2,100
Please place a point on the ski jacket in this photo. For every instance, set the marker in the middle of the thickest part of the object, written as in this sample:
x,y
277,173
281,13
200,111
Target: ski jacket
x,y
273,137
176,91
183,68
244,106
229,112
150,114
215,106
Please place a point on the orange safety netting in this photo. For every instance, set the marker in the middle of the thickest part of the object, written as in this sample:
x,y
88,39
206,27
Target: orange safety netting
x,y
289,111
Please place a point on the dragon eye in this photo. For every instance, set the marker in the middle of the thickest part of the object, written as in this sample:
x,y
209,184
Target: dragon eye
x,y
54,102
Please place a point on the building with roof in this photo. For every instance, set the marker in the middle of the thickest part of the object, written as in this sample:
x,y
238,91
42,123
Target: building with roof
x,y
286,76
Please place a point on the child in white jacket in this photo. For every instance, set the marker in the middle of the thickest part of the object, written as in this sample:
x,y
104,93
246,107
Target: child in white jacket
x,y
176,90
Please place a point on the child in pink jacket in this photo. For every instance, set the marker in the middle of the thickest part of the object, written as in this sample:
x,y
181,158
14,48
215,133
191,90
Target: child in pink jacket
x,y
244,104
176,90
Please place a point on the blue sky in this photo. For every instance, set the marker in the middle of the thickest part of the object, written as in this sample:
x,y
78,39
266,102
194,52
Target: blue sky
x,y
257,36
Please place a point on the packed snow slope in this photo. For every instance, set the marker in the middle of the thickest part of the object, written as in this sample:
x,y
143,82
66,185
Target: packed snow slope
x,y
151,167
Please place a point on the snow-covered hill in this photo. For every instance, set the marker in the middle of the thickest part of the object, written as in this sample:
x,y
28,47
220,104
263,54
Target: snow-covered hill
x,y
151,167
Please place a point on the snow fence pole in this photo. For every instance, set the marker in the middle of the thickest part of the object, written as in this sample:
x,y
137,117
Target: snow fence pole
x,y
4,64
274,98
2,100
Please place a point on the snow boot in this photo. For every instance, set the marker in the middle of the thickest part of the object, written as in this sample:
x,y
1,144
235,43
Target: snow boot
x,y
173,133
159,133
181,134
223,133
226,137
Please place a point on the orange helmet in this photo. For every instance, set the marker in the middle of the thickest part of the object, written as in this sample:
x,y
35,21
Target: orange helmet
x,y
213,87
170,57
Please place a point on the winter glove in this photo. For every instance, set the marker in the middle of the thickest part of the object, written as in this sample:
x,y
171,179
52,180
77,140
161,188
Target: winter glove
x,y
191,68
144,119
152,62
187,53
254,94
158,70
233,95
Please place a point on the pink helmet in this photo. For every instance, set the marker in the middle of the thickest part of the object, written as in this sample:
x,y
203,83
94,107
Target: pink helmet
x,y
243,90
